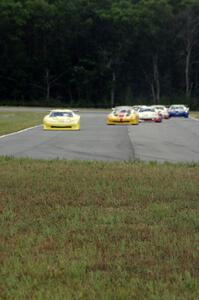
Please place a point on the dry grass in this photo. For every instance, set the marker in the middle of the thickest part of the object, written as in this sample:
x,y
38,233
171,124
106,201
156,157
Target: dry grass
x,y
92,230
194,114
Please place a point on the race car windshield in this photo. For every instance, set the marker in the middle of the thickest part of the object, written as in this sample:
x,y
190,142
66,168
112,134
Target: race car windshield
x,y
177,107
61,114
124,111
146,109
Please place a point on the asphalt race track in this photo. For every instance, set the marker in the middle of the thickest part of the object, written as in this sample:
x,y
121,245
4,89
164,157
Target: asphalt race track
x,y
174,140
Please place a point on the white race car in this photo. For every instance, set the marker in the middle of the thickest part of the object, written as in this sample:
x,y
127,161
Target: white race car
x,y
149,114
136,107
162,110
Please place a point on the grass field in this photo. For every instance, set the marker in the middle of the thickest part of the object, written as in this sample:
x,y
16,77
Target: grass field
x,y
14,121
82,230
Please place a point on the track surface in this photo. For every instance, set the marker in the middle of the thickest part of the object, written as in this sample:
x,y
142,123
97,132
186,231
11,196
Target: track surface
x,y
174,140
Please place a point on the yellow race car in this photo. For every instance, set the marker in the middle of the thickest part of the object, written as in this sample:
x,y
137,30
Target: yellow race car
x,y
61,119
123,115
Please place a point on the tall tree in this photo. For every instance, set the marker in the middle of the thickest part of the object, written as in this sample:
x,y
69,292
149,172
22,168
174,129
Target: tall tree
x,y
154,19
12,71
118,28
188,33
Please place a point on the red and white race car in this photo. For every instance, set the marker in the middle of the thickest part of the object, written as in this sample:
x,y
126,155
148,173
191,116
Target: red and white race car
x,y
163,110
147,113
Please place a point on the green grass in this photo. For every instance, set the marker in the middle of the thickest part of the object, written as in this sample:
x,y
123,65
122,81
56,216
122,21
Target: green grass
x,y
93,230
14,121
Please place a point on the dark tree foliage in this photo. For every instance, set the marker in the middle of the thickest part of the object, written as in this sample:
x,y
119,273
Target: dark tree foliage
x,y
99,53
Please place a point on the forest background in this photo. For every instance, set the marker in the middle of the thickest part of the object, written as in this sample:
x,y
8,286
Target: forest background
x,y
99,53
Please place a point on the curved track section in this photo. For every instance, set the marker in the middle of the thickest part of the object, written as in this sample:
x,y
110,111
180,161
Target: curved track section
x,y
95,141
174,140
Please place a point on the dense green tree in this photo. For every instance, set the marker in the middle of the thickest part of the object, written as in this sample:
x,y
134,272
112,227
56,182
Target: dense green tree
x,y
154,27
12,55
188,39
98,52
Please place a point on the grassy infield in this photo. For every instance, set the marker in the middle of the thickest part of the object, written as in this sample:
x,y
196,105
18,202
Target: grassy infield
x,y
94,230
14,121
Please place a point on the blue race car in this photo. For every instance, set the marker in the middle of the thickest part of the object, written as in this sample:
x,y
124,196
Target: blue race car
x,y
178,110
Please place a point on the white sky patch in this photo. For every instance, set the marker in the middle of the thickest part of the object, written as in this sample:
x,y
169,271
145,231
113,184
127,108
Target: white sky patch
x,y
18,132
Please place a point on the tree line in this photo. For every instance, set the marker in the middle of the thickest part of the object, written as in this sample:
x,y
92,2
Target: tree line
x,y
99,53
